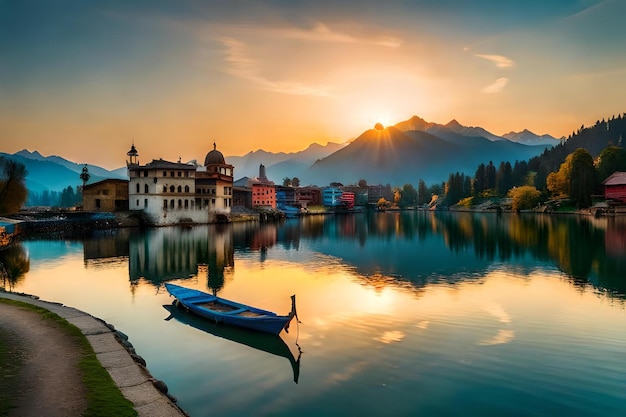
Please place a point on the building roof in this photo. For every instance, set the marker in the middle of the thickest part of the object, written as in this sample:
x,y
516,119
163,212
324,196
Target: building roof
x,y
214,157
163,164
616,178
105,181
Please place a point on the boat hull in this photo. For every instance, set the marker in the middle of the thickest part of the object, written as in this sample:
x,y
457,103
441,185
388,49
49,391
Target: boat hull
x,y
229,312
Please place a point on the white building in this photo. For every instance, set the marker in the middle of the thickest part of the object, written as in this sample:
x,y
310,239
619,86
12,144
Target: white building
x,y
178,193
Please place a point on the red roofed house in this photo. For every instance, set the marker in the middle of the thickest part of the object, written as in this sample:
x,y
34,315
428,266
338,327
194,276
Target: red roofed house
x,y
615,187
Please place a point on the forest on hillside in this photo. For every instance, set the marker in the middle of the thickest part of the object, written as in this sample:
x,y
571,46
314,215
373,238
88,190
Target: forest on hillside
x,y
573,169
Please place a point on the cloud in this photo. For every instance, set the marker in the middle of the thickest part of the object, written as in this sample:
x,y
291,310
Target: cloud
x,y
500,60
241,65
496,87
322,33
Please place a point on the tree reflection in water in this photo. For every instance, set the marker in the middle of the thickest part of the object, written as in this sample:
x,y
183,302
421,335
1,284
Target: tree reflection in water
x,y
14,263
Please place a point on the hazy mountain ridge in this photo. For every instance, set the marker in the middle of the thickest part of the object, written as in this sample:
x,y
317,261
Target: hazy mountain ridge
x,y
280,165
55,173
413,149
529,138
396,157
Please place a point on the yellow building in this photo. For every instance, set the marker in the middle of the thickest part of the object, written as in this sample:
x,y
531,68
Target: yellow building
x,y
106,195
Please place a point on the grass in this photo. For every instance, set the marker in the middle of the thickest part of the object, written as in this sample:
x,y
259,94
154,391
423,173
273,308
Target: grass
x,y
103,397
10,363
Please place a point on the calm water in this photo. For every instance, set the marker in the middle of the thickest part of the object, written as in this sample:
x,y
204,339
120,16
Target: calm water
x,y
402,313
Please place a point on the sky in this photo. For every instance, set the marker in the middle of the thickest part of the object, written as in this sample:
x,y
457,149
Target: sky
x,y
86,79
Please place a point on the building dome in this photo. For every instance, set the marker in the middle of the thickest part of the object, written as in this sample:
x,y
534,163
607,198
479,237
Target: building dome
x,y
214,157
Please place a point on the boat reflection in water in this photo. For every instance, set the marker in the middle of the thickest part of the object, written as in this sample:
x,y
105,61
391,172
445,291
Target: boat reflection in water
x,y
264,342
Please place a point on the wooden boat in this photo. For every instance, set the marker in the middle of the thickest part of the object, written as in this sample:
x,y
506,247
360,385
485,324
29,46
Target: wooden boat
x,y
229,312
263,342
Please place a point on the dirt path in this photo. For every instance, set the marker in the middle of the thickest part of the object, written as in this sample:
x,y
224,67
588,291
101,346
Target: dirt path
x,y
49,382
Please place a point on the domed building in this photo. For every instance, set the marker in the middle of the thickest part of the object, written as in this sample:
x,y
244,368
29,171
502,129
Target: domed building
x,y
181,193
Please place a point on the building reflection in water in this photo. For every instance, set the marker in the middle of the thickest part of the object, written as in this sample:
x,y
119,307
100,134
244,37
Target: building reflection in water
x,y
162,254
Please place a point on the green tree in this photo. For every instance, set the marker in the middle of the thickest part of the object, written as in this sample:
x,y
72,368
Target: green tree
x,y
504,178
13,192
611,159
524,197
68,197
287,182
582,178
423,195
409,196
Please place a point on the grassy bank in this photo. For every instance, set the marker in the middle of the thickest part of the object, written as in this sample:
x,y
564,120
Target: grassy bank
x,y
103,397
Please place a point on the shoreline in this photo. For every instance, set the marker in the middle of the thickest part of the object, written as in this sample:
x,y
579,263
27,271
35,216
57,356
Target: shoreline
x,y
117,356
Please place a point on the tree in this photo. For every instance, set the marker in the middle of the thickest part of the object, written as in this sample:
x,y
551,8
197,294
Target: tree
x,y
611,159
524,197
558,182
582,178
295,182
287,182
68,197
490,176
409,196
479,179
504,178
423,196
13,192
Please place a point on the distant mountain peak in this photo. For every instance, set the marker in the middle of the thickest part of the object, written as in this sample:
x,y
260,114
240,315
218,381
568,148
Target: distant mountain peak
x,y
25,153
453,124
527,137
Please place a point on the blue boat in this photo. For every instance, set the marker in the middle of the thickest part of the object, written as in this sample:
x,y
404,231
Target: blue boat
x,y
264,342
229,312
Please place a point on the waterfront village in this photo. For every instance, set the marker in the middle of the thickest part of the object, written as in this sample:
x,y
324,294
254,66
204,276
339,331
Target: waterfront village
x,y
164,193
170,193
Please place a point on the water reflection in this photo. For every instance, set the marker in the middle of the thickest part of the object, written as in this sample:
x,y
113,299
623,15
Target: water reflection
x,y
271,344
402,248
163,254
14,263
424,247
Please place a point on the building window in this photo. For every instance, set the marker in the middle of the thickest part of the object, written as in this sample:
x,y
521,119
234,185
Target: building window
x,y
171,173
186,188
186,174
186,204
180,203
180,174
137,203
172,189
145,203
164,204
172,203
180,189
213,202
145,189
165,173
145,173
138,188
165,188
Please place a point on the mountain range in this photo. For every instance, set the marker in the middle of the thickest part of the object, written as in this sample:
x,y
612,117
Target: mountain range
x,y
404,153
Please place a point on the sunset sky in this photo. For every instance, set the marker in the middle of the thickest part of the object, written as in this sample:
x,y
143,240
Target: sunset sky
x,y
84,79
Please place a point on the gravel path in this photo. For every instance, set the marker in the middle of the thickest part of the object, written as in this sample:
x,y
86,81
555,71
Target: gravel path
x,y
49,383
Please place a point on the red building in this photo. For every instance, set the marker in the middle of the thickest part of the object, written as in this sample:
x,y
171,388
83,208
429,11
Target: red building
x,y
615,187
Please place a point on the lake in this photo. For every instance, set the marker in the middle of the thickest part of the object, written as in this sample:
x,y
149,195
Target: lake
x,y
402,313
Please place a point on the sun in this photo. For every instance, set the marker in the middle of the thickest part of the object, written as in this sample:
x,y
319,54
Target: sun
x,y
383,119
